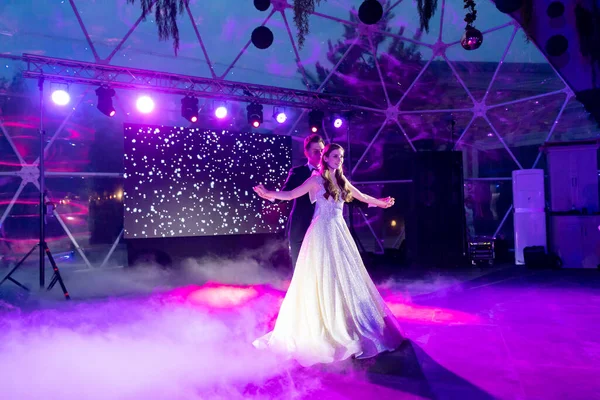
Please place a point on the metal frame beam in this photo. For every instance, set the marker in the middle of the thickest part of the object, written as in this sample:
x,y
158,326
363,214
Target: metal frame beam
x,y
86,73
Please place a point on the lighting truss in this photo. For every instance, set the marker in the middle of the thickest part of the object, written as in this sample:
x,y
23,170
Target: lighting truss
x,y
86,73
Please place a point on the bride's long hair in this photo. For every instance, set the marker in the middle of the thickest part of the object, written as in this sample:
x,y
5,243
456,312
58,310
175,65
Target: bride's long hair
x,y
331,190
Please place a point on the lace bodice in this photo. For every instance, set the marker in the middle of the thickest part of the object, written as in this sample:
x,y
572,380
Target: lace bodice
x,y
327,208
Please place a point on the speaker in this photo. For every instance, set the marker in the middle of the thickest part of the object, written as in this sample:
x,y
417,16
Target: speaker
x,y
535,257
436,232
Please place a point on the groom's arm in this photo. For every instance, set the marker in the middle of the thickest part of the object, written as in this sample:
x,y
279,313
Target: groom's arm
x,y
291,183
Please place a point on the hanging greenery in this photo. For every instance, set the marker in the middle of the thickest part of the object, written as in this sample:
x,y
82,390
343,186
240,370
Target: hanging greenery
x,y
166,11
426,10
165,15
302,10
527,19
471,13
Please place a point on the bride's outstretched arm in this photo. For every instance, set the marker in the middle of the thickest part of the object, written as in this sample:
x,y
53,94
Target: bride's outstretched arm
x,y
301,190
365,198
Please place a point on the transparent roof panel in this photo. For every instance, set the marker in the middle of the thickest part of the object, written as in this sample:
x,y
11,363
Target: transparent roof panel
x,y
476,73
117,34
486,155
523,126
43,28
397,64
488,18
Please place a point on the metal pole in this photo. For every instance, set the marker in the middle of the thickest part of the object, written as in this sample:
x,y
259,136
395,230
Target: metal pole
x,y
42,188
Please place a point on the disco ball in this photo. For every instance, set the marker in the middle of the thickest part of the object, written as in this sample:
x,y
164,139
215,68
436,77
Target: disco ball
x,y
471,39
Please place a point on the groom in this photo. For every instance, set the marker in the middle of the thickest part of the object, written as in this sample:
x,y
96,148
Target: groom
x,y
302,209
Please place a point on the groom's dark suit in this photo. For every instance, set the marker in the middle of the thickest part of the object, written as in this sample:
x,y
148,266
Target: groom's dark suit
x,y
302,210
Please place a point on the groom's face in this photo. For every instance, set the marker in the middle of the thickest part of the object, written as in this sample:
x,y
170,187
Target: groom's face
x,y
314,153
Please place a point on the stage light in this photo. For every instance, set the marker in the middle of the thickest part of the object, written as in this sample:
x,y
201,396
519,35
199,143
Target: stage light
x,y
315,120
221,112
189,108
255,114
105,104
281,117
61,97
145,104
338,122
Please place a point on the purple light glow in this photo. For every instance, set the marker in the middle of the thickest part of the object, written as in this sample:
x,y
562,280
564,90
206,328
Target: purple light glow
x,y
61,97
338,123
145,104
221,112
281,117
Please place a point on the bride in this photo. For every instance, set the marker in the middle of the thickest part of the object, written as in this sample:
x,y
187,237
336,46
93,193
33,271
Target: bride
x,y
332,310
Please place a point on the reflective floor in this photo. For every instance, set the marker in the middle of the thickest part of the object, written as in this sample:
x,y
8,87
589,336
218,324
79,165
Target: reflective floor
x,y
507,333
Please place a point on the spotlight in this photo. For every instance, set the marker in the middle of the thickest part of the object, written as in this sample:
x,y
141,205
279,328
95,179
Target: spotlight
x,y
315,120
279,116
221,112
471,39
255,114
189,108
145,104
61,97
105,104
338,122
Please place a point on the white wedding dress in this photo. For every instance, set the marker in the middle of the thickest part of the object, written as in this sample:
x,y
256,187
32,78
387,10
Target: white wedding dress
x,y
332,310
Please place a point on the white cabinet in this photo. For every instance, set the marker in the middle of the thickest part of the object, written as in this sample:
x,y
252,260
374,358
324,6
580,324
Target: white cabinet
x,y
529,210
530,230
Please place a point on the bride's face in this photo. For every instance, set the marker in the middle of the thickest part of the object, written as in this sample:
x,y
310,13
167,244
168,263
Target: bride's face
x,y
335,159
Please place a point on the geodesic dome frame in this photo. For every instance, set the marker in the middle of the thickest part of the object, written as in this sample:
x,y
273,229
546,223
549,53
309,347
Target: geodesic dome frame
x,y
398,115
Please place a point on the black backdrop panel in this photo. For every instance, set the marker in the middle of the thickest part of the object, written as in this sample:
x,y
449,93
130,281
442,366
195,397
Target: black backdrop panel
x,y
436,230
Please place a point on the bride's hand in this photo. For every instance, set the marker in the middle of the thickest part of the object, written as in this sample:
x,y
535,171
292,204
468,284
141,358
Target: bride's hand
x,y
262,192
388,202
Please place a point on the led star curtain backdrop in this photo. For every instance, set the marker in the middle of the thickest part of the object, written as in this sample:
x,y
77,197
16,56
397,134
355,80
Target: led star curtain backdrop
x,y
192,182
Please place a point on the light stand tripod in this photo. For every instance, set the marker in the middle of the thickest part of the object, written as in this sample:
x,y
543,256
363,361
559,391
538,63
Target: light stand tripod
x,y
44,207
